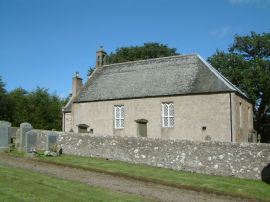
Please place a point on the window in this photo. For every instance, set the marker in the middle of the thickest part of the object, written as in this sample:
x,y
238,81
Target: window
x,y
82,128
167,115
119,116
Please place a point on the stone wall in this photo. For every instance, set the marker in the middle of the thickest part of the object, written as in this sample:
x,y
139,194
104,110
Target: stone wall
x,y
42,137
243,160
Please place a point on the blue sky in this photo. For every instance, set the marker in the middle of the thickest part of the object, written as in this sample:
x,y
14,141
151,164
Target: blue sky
x,y
44,42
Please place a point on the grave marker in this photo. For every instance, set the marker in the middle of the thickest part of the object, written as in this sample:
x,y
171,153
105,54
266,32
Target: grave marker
x,y
24,127
4,137
51,141
30,141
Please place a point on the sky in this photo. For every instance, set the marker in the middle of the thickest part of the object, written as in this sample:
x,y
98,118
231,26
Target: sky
x,y
44,42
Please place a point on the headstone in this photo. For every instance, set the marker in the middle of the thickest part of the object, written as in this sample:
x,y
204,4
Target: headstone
x,y
24,127
4,137
30,141
51,141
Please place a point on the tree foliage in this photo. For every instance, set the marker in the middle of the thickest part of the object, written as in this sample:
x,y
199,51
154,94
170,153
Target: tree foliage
x,y
247,65
5,104
133,53
147,51
38,107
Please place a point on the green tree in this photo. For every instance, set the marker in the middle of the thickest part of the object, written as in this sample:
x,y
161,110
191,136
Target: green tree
x,y
19,100
247,65
147,51
44,110
5,104
133,53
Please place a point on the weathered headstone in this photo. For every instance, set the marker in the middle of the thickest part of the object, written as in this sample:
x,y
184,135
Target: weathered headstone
x,y
24,127
30,141
51,141
4,137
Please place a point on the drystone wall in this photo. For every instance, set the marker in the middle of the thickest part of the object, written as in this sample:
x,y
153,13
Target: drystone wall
x,y
243,160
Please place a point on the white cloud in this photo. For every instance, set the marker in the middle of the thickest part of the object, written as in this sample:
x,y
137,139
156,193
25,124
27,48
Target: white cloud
x,y
221,32
262,3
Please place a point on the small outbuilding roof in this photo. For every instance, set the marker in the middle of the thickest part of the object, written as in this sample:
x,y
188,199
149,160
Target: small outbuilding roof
x,y
167,76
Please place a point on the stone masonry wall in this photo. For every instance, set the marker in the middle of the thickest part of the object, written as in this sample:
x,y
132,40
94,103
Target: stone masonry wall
x,y
243,160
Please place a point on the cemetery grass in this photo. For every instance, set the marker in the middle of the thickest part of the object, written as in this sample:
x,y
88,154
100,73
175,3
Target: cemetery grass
x,y
250,189
23,185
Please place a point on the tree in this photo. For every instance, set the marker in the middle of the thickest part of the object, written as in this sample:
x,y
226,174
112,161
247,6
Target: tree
x,y
5,103
133,53
38,107
147,51
19,100
247,65
44,110
90,71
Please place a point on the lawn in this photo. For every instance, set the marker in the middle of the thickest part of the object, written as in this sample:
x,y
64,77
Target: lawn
x,y
253,189
22,185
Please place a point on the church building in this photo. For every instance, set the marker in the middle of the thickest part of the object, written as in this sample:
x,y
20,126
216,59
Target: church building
x,y
177,97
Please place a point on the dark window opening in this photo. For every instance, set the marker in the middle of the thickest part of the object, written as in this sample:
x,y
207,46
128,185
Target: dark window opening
x,y
82,128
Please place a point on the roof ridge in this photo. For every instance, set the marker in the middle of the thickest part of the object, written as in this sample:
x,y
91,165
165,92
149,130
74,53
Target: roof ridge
x,y
151,59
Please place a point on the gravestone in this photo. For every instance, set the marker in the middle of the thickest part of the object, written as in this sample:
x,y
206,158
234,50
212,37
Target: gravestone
x,y
4,137
24,127
30,141
51,141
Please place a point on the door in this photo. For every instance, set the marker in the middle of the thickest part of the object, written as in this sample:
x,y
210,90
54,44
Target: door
x,y
142,127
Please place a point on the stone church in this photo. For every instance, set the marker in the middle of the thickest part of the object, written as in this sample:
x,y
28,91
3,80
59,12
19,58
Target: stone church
x,y
177,97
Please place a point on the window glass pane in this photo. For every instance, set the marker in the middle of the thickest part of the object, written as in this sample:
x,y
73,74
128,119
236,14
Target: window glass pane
x,y
171,110
165,122
117,123
165,110
122,123
122,111
171,121
117,112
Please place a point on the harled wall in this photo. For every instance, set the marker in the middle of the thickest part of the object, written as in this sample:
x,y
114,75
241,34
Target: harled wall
x,y
192,112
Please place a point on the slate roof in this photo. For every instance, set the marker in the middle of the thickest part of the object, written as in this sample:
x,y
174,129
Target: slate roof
x,y
68,106
175,75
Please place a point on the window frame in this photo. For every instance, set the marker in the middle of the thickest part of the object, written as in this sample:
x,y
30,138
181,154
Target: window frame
x,y
168,115
121,117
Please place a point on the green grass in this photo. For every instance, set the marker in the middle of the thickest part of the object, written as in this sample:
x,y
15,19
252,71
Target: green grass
x,y
253,189
23,185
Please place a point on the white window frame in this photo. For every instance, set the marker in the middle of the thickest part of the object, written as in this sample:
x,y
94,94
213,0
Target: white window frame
x,y
168,115
121,117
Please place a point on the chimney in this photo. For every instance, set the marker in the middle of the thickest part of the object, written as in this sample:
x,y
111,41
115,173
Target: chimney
x,y
101,57
76,84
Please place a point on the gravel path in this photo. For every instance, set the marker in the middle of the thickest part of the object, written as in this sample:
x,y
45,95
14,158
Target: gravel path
x,y
148,190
